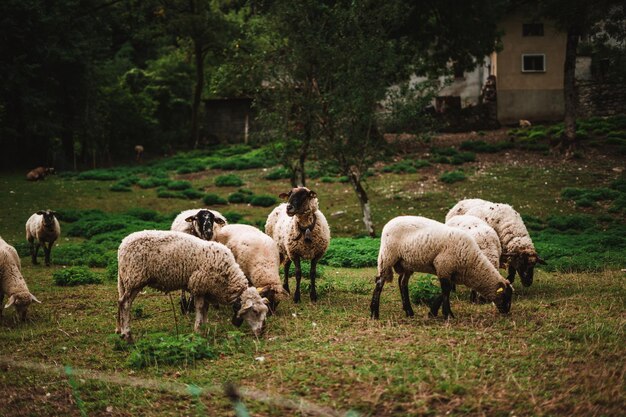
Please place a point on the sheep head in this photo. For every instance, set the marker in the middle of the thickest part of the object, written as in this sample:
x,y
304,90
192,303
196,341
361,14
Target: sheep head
x,y
275,294
252,308
298,200
48,218
524,263
202,223
21,301
504,295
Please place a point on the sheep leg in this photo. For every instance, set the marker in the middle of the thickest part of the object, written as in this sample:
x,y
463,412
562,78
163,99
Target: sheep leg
x,y
312,278
286,282
47,249
123,313
202,306
434,307
375,304
33,255
1,303
37,251
403,282
511,275
296,295
446,288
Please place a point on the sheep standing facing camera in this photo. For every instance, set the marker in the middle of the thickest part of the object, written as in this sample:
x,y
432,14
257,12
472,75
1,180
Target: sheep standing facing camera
x,y
416,244
519,253
12,283
42,227
301,231
169,261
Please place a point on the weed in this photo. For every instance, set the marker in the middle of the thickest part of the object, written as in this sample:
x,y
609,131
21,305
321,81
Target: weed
x,y
178,185
352,253
424,288
278,174
163,349
75,275
263,200
214,200
450,177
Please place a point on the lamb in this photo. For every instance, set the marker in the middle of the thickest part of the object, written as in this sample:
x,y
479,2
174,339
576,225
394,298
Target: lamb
x,y
484,235
39,173
168,261
301,231
44,227
518,250
416,244
12,282
202,223
257,255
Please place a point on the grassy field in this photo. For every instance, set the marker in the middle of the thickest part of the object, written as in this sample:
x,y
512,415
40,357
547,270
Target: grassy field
x,y
559,352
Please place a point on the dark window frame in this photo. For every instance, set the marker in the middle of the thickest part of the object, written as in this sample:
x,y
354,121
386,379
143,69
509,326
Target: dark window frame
x,y
532,29
543,58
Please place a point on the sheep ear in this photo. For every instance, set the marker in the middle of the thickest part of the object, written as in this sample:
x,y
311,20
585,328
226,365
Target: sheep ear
x,y
265,300
312,194
284,195
247,306
54,213
190,219
32,297
219,220
541,261
40,212
11,301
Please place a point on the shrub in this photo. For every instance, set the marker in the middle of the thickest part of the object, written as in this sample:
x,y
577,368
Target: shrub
x,y
241,196
111,272
228,180
119,187
450,177
164,193
192,194
213,199
75,275
424,289
143,214
263,200
232,216
101,175
162,349
352,253
463,157
152,182
278,174
406,166
178,185
576,222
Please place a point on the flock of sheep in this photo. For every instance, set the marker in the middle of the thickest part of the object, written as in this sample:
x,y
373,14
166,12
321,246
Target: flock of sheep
x,y
238,265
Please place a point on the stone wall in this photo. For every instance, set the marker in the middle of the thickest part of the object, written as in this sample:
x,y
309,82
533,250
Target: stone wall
x,y
601,98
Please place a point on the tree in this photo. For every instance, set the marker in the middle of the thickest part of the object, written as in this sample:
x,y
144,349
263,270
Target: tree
x,y
577,18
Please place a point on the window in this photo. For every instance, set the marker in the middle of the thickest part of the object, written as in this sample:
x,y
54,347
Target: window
x,y
532,29
533,63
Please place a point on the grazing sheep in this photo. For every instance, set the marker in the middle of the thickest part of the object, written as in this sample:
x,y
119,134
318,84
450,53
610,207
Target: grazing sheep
x,y
39,173
518,250
138,153
44,227
416,244
202,223
301,232
12,282
257,255
525,123
484,235
168,261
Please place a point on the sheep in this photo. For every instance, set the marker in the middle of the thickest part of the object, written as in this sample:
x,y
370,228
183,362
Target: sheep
x,y
416,244
39,173
44,227
301,231
138,153
484,235
519,253
257,255
169,260
202,223
12,282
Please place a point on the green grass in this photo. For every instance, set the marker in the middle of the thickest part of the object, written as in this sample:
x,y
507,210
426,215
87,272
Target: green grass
x,y
555,354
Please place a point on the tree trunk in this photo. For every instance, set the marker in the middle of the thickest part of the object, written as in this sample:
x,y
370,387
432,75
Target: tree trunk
x,y
363,200
197,94
568,139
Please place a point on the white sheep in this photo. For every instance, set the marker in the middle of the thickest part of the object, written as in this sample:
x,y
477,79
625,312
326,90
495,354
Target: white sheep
x,y
301,231
518,250
12,282
202,223
168,261
484,235
43,227
257,255
416,244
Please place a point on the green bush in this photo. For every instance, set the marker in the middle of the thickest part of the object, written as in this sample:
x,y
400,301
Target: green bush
x,y
75,275
423,289
232,216
143,214
575,222
278,174
102,174
192,194
165,193
162,349
263,200
352,253
111,272
463,157
406,166
214,199
240,196
450,177
228,180
178,185
153,182
120,188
